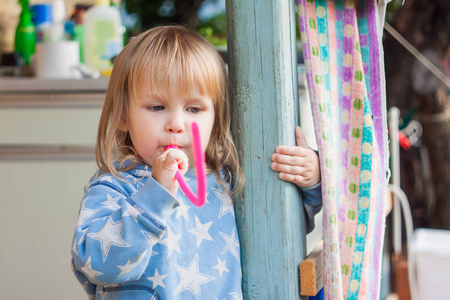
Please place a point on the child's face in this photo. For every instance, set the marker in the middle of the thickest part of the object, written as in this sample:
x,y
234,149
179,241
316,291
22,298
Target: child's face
x,y
157,120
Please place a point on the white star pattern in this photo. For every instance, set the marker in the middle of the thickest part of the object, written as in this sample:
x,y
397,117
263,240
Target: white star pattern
x,y
132,178
110,234
201,231
181,271
152,239
191,278
106,178
111,202
232,244
155,296
126,268
74,247
143,173
131,211
85,213
83,236
226,204
88,270
182,210
221,266
171,241
157,279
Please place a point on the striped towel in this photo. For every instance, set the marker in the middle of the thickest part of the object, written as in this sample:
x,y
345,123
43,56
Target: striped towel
x,y
343,55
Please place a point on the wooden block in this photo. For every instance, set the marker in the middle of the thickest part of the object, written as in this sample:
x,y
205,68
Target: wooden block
x,y
311,272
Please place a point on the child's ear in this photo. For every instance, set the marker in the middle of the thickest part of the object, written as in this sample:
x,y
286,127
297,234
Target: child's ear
x,y
123,126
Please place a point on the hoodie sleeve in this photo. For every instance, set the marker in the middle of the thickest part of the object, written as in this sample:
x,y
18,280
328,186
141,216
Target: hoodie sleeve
x,y
312,203
116,232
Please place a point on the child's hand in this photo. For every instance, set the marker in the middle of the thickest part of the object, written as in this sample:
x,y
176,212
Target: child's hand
x,y
166,165
297,164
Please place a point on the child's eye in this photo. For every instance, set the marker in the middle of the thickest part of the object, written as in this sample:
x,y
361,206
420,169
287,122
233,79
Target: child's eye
x,y
193,109
156,108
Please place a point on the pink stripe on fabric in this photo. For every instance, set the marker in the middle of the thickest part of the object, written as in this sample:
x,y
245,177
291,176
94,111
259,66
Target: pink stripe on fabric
x,y
356,119
313,63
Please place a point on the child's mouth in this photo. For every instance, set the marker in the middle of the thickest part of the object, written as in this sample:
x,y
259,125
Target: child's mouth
x,y
171,147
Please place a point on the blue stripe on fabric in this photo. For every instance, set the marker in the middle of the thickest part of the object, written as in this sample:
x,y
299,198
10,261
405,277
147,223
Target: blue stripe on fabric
x,y
339,6
364,192
322,29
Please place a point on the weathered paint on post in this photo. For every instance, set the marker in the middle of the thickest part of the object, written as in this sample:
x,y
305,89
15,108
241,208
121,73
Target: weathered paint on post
x,y
263,73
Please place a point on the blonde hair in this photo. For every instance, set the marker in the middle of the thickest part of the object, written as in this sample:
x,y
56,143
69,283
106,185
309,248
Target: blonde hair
x,y
149,60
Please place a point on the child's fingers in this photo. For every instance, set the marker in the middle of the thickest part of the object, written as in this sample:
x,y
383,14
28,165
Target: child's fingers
x,y
297,179
292,150
288,169
169,162
288,159
183,163
300,137
175,158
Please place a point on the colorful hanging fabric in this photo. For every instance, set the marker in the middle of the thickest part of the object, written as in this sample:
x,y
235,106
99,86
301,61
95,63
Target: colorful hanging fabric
x,y
345,73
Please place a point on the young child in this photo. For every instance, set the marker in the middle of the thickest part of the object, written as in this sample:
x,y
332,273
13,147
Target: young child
x,y
138,236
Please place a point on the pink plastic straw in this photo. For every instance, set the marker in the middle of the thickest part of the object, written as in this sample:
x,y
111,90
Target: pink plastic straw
x,y
200,170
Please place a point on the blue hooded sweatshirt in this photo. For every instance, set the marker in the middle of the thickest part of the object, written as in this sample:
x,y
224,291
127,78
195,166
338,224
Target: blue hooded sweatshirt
x,y
135,240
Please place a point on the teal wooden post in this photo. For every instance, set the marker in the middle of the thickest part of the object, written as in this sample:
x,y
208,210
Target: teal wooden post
x,y
263,73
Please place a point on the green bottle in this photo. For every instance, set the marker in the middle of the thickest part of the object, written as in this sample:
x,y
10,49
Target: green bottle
x,y
79,36
25,39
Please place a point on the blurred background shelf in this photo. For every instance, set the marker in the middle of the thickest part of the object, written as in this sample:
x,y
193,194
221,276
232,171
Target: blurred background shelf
x,y
47,156
36,85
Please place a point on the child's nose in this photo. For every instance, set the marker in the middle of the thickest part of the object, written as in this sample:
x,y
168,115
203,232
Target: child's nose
x,y
175,125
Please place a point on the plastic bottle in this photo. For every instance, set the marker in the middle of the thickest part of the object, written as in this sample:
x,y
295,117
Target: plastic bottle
x,y
79,36
59,11
25,38
59,16
78,17
42,20
103,35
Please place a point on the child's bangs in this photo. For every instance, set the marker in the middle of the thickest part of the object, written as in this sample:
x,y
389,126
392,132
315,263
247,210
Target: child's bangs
x,y
177,69
197,70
